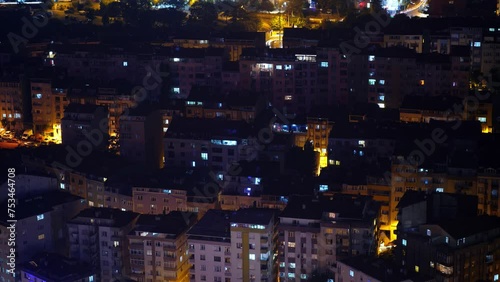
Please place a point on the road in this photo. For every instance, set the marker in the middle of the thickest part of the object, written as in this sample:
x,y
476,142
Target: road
x,y
414,10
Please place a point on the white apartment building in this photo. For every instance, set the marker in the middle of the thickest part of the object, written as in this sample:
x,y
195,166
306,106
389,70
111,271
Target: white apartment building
x,y
234,246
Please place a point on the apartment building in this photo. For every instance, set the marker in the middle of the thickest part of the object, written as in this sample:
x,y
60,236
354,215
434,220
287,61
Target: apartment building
x,y
210,143
434,242
40,227
387,75
54,267
98,237
48,101
204,102
85,123
209,244
158,247
296,79
149,200
194,66
316,232
117,103
11,104
141,132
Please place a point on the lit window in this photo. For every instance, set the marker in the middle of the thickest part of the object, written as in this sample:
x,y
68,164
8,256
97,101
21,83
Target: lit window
x,y
422,82
279,67
324,64
477,44
447,239
372,81
288,97
381,105
491,29
428,232
371,58
251,256
176,90
204,156
40,217
257,180
177,60
116,243
440,190
62,186
16,115
495,277
41,236
193,164
288,67
292,265
38,96
351,273
417,268
323,187
125,64
291,244
481,119
404,242
381,82
91,278
291,275
331,215
381,98
361,143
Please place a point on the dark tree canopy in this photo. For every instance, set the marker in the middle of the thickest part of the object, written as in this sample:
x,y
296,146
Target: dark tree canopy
x,y
203,12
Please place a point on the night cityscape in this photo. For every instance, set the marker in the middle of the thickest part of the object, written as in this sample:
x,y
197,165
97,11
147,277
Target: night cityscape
x,y
250,140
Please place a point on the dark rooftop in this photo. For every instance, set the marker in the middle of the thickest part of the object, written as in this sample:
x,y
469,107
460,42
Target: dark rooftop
x,y
475,225
198,128
253,216
119,218
56,268
213,226
171,224
39,204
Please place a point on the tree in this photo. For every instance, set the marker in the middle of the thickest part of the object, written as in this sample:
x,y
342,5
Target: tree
x,y
266,5
295,7
278,22
90,15
298,22
203,12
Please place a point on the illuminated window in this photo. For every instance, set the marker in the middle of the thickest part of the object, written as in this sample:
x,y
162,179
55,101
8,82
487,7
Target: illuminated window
x,y
291,275
404,242
41,236
125,64
361,143
193,164
417,268
91,278
40,217
116,243
428,232
481,119
477,44
292,265
251,256
440,190
257,181
371,58
381,105
204,156
288,97
38,96
491,29
381,98
351,273
495,277
331,215
288,67
291,244
177,60
447,240
279,67
324,64
63,186
372,81
323,187
422,82
381,82
176,90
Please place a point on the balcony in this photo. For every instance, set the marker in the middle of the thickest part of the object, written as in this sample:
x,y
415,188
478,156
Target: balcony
x,y
169,247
